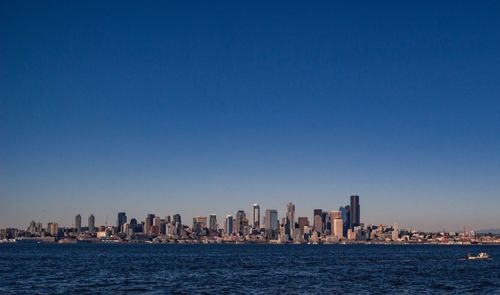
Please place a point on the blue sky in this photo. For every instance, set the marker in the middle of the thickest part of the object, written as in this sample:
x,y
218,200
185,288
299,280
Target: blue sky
x,y
196,109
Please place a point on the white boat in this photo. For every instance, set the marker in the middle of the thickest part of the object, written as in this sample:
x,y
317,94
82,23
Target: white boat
x,y
481,255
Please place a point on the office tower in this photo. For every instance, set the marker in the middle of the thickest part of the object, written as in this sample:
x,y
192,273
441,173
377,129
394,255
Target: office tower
x,y
39,227
157,221
54,228
303,222
256,216
78,223
121,220
167,219
271,224
213,223
318,220
148,223
240,222
338,228
177,218
325,218
343,214
91,224
126,229
202,220
290,220
133,225
346,218
32,227
199,223
355,214
163,227
229,225
196,228
178,224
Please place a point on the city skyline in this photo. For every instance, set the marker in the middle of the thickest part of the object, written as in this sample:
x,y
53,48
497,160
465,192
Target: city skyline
x,y
177,108
346,213
342,226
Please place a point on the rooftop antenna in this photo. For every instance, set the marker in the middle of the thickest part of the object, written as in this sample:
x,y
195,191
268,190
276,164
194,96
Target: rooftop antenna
x,y
106,223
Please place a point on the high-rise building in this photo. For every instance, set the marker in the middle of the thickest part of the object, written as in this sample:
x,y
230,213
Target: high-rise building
x,y
202,220
133,225
148,223
241,219
303,222
78,223
121,220
213,223
178,224
338,228
157,221
355,214
325,219
290,220
229,225
54,228
334,215
256,216
199,223
271,224
318,220
91,224
347,220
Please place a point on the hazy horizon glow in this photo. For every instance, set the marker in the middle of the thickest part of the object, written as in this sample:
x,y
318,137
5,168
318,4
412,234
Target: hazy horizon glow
x,y
170,109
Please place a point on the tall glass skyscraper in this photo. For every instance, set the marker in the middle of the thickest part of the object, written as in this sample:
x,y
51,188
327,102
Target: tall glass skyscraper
x,y
149,223
240,222
121,220
212,226
271,224
318,220
256,216
78,223
355,214
290,220
229,225
91,224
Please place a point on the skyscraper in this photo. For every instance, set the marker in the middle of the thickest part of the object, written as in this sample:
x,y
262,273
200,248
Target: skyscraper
x,y
91,224
78,223
256,216
54,229
213,223
303,222
199,223
346,217
271,224
318,220
229,225
290,220
178,224
121,220
148,223
133,225
240,222
338,228
355,214
333,216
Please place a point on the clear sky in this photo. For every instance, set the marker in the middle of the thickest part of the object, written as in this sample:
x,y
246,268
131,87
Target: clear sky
x,y
196,109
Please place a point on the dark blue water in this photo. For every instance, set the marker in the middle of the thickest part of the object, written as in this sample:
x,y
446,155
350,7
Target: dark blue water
x,y
265,269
